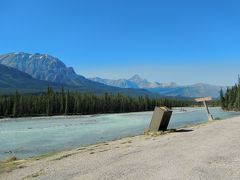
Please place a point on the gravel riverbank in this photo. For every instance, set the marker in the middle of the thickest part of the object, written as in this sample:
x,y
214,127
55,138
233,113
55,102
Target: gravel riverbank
x,y
207,151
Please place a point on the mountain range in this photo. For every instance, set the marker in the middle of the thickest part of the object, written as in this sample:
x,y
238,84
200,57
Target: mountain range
x,y
12,79
166,89
134,82
35,72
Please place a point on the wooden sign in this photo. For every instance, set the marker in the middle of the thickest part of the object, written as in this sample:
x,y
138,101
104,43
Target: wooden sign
x,y
203,99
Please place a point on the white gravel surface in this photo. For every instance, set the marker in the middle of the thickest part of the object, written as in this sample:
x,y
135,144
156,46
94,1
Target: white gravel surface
x,y
208,151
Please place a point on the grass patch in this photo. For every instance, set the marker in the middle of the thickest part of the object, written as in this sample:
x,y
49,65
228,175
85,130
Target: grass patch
x,y
63,156
37,158
9,166
12,163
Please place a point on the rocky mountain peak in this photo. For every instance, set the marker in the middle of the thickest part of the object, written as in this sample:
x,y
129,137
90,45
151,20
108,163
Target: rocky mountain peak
x,y
136,77
40,66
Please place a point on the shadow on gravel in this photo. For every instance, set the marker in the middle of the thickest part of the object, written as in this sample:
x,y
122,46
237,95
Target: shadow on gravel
x,y
180,130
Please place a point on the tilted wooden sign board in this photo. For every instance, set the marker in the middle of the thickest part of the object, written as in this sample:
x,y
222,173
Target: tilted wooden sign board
x,y
204,100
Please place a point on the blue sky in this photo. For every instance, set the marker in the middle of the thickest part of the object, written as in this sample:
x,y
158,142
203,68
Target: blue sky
x,y
181,41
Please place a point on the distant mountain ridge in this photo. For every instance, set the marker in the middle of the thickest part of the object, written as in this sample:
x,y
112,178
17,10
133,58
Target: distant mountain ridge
x,y
122,83
167,89
47,68
135,81
43,70
12,79
195,90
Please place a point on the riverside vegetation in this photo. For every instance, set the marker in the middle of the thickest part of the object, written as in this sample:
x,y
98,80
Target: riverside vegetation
x,y
230,101
70,103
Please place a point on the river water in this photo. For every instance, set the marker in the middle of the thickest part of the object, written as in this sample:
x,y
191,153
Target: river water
x,y
27,137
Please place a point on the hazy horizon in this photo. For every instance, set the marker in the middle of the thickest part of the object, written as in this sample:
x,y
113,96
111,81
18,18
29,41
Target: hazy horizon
x,y
185,42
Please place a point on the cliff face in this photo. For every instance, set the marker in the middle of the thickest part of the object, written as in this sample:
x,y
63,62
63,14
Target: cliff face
x,y
42,67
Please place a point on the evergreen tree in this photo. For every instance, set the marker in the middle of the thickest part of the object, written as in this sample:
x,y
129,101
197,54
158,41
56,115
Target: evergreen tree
x,y
231,99
56,103
67,103
222,98
16,104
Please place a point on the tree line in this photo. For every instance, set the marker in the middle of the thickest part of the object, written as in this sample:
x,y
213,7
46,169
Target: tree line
x,y
230,100
73,103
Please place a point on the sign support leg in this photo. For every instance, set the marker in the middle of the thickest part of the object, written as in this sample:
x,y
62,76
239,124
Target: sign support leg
x,y
210,118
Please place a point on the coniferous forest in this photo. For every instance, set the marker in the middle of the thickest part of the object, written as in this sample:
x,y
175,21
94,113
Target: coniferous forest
x,y
230,101
73,103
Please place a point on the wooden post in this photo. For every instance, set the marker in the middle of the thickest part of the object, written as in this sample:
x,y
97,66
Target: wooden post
x,y
210,118
204,100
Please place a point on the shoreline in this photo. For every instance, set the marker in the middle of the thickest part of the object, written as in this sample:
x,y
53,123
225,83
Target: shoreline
x,y
124,144
82,115
68,152
11,153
